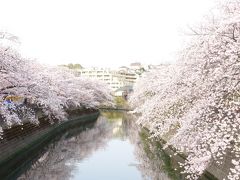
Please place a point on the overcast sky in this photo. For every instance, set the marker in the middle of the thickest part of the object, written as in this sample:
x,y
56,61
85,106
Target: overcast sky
x,y
100,32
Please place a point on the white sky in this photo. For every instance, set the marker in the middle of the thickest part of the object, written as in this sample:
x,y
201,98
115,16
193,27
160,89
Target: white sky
x,y
100,32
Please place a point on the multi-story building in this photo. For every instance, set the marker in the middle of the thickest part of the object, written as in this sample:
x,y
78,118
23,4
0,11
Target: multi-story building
x,y
115,78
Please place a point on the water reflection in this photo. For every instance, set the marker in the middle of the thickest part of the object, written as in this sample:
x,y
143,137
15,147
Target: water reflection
x,y
115,148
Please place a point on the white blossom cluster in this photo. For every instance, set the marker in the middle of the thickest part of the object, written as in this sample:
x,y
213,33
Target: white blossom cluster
x,y
53,90
195,103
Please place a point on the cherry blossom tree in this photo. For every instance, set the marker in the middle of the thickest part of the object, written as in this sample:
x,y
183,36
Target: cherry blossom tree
x,y
196,109
52,90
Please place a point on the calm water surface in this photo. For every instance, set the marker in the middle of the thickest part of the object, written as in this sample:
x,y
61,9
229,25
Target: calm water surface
x,y
113,149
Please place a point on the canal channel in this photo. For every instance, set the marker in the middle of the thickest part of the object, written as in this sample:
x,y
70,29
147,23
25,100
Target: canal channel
x,y
111,148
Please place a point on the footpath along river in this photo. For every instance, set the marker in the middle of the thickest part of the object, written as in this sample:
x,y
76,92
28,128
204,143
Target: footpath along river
x,y
114,148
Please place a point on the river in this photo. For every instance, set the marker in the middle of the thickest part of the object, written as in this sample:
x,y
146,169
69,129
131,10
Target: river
x,y
113,148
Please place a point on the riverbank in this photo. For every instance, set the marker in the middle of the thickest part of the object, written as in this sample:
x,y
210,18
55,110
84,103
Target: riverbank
x,y
213,172
21,142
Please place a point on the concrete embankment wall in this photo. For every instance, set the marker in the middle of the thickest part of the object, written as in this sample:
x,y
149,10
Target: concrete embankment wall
x,y
20,143
213,172
176,158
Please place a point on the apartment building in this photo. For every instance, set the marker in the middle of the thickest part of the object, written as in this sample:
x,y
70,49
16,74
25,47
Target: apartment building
x,y
115,78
